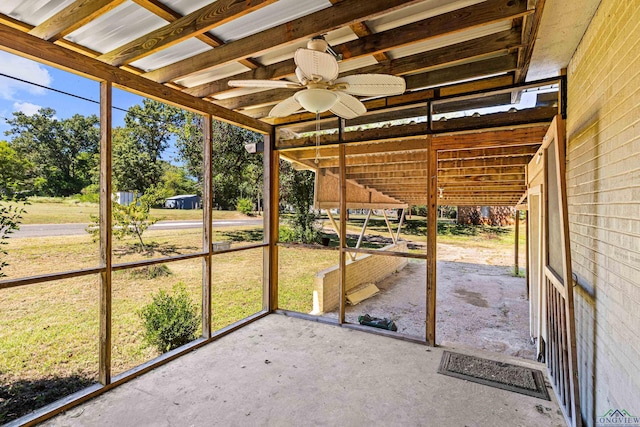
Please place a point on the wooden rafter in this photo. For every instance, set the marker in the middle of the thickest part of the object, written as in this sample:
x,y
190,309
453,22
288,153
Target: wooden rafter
x,y
195,23
72,17
170,15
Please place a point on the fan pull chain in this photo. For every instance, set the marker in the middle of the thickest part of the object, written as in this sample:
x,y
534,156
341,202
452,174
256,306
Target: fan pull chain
x,y
317,159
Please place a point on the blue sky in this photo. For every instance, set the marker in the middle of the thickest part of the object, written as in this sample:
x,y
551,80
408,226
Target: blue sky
x,y
19,96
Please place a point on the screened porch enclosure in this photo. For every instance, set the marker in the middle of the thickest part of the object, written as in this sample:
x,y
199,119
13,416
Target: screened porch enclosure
x,y
462,133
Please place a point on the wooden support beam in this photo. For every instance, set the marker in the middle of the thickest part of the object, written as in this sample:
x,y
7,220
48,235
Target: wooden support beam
x,y
516,269
198,22
39,50
104,359
323,21
432,227
207,240
343,237
72,17
271,161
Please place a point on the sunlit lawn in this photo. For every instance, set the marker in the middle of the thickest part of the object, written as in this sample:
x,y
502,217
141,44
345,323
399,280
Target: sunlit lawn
x,y
73,211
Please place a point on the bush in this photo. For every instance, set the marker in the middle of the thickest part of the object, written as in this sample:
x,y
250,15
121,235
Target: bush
x,y
151,272
286,234
170,320
244,206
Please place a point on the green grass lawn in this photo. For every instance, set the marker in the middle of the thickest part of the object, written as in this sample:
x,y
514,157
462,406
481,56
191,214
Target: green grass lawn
x,y
49,332
68,211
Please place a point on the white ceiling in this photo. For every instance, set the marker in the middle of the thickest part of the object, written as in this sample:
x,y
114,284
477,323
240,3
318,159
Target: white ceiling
x,y
561,29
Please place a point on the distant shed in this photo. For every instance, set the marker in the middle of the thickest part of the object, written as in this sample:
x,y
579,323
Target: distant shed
x,y
184,201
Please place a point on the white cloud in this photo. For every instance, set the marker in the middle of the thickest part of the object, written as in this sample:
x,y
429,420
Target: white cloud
x,y
25,69
26,107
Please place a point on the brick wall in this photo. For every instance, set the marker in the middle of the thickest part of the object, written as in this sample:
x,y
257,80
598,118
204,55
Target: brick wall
x,y
365,269
603,177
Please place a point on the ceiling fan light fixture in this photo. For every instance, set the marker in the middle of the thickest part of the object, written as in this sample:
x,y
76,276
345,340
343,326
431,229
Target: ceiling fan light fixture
x,y
316,100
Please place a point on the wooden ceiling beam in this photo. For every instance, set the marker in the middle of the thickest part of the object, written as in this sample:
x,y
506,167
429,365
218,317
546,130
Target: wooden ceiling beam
x,y
374,159
158,8
486,162
484,153
524,135
195,23
493,171
386,168
374,148
344,13
484,179
529,36
484,67
15,41
72,17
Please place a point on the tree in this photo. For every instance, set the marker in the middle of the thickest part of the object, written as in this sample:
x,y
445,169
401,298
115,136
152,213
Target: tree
x,y
13,171
190,144
175,181
296,190
10,218
62,152
138,146
131,220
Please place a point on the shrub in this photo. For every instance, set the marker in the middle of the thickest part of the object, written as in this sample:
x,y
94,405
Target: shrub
x,y
151,272
286,234
244,206
170,320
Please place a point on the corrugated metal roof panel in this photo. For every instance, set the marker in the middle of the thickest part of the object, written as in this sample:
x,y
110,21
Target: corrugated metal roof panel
x,y
268,17
32,12
212,74
172,54
119,26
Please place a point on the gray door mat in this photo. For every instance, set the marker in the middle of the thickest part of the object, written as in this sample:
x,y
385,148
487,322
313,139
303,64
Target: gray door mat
x,y
495,374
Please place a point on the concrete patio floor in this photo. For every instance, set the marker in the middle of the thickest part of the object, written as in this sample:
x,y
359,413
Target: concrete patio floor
x,y
286,371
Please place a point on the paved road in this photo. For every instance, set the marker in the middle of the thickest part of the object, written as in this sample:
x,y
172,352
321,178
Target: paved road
x,y
46,230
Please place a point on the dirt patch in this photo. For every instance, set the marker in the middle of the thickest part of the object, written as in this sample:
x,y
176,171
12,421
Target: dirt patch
x,y
473,298
480,304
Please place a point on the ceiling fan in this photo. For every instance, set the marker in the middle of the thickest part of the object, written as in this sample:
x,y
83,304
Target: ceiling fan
x,y
317,72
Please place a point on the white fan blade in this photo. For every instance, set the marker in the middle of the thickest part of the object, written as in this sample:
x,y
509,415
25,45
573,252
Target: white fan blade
x,y
373,84
348,107
285,108
264,83
301,77
319,64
